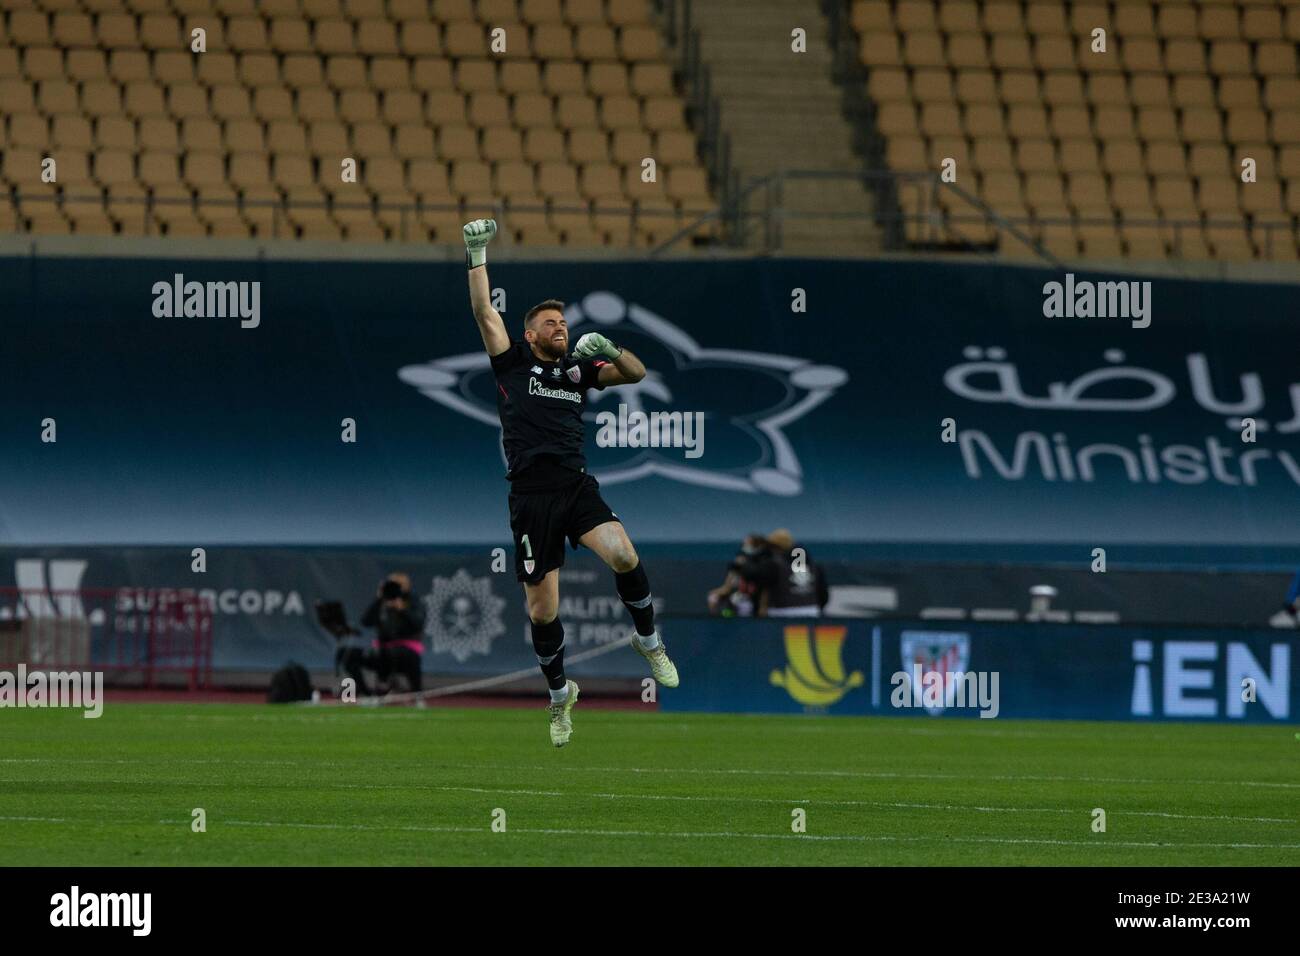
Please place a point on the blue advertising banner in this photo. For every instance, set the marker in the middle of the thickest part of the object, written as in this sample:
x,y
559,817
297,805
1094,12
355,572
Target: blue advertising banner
x,y
914,402
263,599
984,670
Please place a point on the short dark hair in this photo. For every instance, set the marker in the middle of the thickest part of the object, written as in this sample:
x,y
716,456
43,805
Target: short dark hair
x,y
549,304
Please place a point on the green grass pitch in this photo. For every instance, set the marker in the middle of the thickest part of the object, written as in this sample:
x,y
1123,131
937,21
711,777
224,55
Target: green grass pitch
x,y
365,786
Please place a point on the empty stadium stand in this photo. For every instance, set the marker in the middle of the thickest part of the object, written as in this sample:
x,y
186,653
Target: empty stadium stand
x,y
1136,151
249,138
783,111
543,113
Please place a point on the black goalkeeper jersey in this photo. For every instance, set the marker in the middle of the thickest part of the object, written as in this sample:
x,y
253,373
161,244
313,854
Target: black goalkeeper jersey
x,y
541,405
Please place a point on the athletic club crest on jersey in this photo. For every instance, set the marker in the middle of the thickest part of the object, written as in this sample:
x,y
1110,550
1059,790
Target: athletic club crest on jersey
x,y
747,398
463,615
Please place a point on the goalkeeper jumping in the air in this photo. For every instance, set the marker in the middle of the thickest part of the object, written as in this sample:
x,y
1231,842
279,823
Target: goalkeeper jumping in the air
x,y
541,393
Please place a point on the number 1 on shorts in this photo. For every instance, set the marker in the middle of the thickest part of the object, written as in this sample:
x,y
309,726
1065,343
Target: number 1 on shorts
x,y
529,564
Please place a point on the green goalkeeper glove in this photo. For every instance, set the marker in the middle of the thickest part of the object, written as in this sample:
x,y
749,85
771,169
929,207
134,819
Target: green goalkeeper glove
x,y
593,344
477,236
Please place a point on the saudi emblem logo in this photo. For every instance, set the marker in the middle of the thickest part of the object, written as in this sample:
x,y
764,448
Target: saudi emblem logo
x,y
748,399
944,654
815,674
464,616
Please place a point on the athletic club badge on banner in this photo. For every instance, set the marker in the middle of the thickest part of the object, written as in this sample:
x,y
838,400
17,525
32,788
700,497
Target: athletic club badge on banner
x,y
931,652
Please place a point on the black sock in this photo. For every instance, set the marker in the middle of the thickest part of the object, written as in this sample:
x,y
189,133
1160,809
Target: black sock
x,y
548,645
634,589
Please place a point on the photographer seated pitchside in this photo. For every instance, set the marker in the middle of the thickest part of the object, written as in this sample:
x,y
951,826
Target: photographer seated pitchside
x,y
399,630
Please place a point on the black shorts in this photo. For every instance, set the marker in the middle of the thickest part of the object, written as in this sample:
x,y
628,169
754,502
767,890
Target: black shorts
x,y
541,520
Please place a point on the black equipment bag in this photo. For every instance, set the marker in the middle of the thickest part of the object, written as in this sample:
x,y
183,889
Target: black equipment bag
x,y
291,682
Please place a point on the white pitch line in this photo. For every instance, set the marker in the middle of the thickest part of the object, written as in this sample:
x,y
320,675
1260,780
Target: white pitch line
x,y
338,826
851,774
728,834
151,760
793,801
869,774
680,834
951,729
800,800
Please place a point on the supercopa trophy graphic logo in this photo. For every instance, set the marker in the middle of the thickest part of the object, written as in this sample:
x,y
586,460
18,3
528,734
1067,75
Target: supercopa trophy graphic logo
x,y
749,399
815,674
464,616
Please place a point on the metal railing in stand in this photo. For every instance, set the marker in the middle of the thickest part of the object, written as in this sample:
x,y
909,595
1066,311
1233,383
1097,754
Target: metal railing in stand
x,y
133,635
774,212
761,204
850,77
930,205
282,211
697,82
